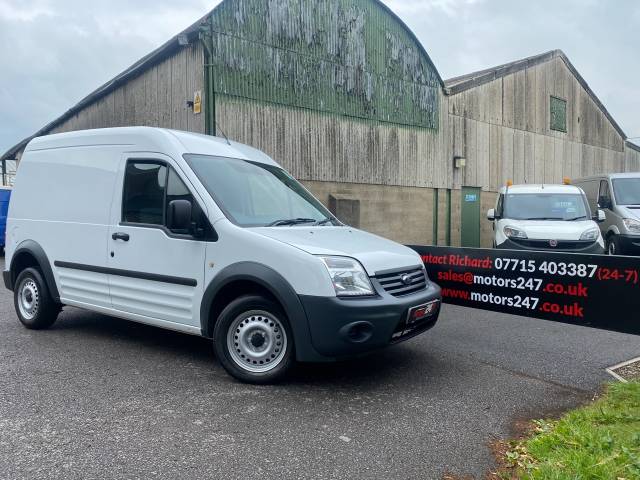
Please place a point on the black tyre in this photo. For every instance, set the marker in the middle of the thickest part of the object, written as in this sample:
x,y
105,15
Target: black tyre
x,y
253,341
613,245
32,300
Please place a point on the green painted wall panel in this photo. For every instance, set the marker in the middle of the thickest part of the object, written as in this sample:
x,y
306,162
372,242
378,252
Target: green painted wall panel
x,y
349,57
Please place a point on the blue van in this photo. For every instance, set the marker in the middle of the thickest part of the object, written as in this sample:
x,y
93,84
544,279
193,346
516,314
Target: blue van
x,y
5,195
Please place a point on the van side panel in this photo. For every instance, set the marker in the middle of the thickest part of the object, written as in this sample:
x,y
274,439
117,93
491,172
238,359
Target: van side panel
x,y
62,199
590,188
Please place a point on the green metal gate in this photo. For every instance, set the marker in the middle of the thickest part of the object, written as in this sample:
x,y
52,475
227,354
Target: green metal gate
x,y
470,217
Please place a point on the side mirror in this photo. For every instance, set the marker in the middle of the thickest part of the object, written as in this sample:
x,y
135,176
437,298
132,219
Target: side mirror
x,y
601,216
491,214
179,215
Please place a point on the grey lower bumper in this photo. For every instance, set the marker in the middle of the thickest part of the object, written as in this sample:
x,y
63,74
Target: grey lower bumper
x,y
346,327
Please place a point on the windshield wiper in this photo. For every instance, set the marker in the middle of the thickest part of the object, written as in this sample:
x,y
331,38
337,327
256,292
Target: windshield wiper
x,y
325,221
576,218
291,221
543,218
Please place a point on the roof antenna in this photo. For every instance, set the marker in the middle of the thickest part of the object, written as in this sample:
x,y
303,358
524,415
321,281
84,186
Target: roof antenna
x,y
222,132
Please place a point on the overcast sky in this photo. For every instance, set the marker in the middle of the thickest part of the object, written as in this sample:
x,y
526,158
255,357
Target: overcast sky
x,y
54,52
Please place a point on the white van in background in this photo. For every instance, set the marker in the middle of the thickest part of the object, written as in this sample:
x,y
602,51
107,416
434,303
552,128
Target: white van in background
x,y
545,217
208,237
618,194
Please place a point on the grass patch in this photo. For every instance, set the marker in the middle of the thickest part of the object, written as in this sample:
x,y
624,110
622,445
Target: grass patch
x,y
600,441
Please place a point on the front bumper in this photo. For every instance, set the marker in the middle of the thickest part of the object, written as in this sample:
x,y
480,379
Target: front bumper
x,y
544,245
629,244
345,327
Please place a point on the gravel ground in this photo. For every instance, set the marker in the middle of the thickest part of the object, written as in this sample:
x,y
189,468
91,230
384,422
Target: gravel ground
x,y
96,397
630,372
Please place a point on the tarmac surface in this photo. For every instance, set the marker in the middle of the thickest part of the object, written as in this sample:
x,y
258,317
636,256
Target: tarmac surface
x,y
96,397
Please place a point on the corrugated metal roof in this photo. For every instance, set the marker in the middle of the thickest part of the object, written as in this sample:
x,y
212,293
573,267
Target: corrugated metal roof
x,y
475,79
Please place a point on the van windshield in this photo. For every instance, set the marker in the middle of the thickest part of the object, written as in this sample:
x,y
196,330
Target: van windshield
x,y
545,206
253,194
627,191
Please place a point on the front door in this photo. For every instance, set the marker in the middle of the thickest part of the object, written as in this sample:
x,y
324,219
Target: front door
x,y
470,217
155,274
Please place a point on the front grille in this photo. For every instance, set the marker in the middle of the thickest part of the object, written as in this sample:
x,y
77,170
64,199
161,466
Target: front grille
x,y
562,244
394,284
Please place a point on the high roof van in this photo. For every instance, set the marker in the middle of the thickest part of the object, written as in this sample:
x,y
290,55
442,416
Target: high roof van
x,y
208,237
618,194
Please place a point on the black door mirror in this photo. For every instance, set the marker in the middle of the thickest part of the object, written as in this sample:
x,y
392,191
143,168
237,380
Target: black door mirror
x,y
179,216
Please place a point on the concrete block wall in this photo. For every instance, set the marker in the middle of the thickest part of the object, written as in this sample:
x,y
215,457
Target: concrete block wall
x,y
403,214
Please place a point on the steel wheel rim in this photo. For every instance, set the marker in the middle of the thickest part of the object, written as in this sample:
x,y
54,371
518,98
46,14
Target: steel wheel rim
x,y
257,341
28,298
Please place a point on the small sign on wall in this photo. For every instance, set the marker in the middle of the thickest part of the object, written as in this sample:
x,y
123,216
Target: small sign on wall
x,y
471,197
197,102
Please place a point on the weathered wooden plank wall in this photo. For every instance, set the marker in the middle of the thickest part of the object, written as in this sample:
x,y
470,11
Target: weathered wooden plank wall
x,y
507,131
332,148
632,158
156,98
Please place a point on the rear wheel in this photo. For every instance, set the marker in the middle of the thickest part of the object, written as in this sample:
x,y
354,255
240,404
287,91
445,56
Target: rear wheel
x,y
35,308
253,341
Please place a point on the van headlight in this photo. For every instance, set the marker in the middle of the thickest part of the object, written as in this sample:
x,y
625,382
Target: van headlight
x,y
348,277
591,234
632,225
513,232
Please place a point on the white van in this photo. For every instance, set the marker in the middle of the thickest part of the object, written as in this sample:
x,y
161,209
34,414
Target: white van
x,y
208,237
545,217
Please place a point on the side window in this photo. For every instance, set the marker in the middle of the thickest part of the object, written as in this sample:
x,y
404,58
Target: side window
x,y
604,198
144,192
149,188
499,205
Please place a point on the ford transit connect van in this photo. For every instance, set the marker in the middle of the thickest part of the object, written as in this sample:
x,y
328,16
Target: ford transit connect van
x,y
545,217
208,237
618,194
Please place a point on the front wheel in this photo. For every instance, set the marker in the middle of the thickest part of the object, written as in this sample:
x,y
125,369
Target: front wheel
x,y
253,340
35,308
613,245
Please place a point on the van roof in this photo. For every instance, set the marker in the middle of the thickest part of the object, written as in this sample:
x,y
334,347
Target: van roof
x,y
151,139
611,175
541,188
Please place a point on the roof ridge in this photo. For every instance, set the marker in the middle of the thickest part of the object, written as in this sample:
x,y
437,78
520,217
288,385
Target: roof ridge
x,y
456,85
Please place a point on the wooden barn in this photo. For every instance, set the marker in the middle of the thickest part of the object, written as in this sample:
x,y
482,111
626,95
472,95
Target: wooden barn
x,y
343,95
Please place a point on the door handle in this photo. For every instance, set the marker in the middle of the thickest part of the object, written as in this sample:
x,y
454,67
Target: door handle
x,y
120,236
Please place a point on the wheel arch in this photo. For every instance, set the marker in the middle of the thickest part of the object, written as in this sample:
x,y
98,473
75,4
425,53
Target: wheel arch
x,y
251,277
612,230
30,254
